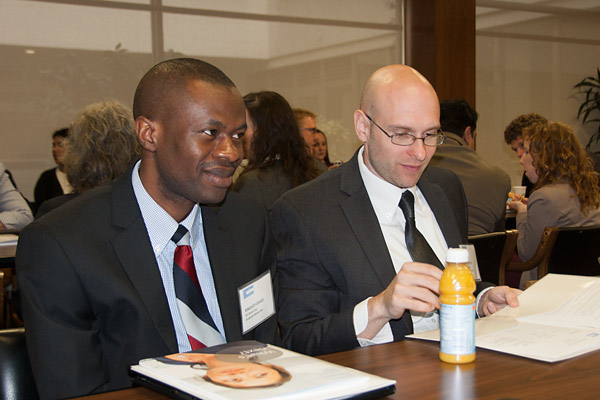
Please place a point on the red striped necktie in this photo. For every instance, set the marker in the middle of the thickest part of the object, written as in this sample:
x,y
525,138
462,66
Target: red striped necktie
x,y
199,325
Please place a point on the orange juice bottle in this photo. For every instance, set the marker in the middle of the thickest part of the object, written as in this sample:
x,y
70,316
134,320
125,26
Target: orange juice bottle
x,y
457,316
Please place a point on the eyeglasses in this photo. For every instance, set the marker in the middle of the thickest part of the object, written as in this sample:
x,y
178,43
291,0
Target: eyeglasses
x,y
406,139
313,130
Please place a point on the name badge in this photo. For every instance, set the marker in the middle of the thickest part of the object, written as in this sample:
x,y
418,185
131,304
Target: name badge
x,y
473,266
256,301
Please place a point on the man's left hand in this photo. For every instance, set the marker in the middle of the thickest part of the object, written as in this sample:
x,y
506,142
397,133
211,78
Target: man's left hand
x,y
496,299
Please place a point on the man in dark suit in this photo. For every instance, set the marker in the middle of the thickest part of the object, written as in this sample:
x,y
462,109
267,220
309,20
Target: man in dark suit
x,y
486,185
346,277
97,274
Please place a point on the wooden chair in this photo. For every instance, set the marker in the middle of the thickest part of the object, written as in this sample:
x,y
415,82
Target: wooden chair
x,y
574,251
494,251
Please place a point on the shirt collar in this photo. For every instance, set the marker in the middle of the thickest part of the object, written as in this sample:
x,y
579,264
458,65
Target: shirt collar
x,y
159,224
384,196
455,138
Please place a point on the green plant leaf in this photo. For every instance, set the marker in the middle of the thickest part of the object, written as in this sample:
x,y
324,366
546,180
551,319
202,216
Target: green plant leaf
x,y
588,89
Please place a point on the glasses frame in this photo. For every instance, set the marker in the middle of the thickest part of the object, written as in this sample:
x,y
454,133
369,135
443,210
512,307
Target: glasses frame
x,y
440,137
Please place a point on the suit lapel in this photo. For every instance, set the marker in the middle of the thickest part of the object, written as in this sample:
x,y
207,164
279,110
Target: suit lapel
x,y
365,225
133,249
363,221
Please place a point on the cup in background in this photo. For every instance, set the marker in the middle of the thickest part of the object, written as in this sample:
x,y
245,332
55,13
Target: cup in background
x,y
520,190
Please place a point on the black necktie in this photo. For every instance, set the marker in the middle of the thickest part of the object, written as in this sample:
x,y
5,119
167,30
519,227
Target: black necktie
x,y
417,245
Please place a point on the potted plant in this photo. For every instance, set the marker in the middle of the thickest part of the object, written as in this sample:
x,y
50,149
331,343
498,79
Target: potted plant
x,y
589,110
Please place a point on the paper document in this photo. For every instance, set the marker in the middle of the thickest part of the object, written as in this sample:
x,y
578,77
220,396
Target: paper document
x,y
557,318
8,239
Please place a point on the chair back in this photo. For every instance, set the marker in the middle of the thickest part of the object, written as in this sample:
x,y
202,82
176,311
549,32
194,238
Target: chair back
x,y
494,250
16,378
575,252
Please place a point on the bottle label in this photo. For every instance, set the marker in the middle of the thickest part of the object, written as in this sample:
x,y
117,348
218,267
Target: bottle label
x,y
457,329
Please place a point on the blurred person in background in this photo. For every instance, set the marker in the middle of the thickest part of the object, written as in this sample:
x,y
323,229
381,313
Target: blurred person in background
x,y
14,210
277,156
486,185
513,136
307,123
565,192
53,182
321,152
102,145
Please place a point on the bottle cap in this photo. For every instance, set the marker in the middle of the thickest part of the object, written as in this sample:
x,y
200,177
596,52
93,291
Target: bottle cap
x,y
457,255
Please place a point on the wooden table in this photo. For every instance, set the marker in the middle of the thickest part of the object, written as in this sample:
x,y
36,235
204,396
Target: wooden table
x,y
8,251
414,364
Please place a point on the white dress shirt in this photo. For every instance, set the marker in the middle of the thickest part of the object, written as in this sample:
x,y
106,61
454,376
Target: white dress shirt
x,y
161,227
385,198
61,177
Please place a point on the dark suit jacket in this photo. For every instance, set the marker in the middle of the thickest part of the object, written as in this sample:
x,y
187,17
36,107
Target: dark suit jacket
x,y
53,203
264,185
332,254
486,185
93,298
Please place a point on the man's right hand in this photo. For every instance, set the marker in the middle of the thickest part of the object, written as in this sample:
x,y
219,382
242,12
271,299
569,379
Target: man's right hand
x,y
415,287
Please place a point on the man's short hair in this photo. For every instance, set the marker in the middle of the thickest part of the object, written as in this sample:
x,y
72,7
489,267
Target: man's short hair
x,y
456,115
301,113
514,130
170,77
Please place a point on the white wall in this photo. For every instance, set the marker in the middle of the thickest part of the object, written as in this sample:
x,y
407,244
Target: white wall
x,y
83,54
532,66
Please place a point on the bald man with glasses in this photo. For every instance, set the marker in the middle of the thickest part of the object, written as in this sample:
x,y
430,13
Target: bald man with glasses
x,y
361,250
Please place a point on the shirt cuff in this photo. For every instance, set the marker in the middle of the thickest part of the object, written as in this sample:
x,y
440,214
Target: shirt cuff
x,y
479,298
361,319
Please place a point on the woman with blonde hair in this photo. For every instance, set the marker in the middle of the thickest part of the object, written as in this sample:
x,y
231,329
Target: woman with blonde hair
x,y
566,192
102,144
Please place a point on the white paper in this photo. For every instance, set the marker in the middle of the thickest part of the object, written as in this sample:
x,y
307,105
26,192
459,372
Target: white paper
x,y
8,239
558,318
581,310
542,342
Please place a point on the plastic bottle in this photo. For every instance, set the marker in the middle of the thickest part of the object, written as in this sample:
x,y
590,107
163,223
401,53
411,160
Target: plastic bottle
x,y
457,316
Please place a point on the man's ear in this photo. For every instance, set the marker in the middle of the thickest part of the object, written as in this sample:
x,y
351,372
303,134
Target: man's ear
x,y
361,126
469,137
146,133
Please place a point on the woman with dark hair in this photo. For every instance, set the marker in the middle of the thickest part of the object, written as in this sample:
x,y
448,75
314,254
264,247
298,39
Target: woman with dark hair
x,y
320,150
566,191
277,156
54,182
